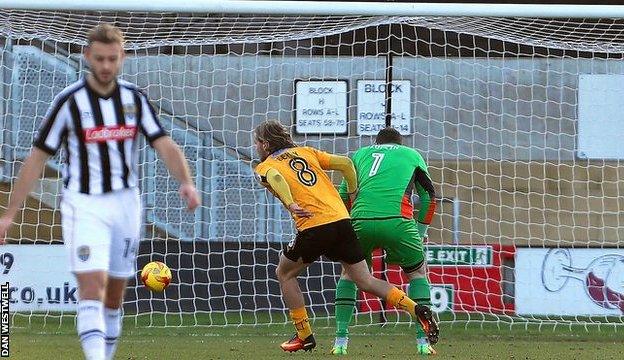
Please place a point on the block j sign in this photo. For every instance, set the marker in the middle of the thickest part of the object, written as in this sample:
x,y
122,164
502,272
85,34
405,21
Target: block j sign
x,y
462,278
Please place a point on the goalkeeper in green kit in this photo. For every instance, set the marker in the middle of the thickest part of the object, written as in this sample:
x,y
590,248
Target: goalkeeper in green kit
x,y
382,216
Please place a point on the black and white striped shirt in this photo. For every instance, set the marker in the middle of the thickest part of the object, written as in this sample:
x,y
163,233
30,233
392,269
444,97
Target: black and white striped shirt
x,y
99,135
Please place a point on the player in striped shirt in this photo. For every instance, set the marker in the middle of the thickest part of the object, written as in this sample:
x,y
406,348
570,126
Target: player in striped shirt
x,y
97,121
296,175
382,214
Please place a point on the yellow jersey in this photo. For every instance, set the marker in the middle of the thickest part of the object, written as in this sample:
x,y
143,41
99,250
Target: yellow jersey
x,y
311,188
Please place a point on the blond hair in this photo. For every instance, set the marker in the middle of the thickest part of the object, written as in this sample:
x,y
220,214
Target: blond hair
x,y
107,34
275,134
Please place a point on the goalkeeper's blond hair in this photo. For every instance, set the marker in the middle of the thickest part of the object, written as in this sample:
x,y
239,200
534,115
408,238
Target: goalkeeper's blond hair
x,y
106,33
274,133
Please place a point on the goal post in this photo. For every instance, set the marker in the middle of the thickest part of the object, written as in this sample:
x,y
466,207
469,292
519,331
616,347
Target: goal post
x,y
515,108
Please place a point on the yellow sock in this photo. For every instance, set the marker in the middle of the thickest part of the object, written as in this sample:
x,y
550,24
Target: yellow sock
x,y
300,320
401,301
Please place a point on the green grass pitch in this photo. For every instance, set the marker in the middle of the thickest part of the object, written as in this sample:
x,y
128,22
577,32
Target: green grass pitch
x,y
56,340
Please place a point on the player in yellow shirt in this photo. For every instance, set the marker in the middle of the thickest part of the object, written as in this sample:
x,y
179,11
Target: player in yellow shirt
x,y
296,175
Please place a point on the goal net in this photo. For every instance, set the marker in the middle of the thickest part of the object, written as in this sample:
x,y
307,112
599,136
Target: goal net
x,y
520,122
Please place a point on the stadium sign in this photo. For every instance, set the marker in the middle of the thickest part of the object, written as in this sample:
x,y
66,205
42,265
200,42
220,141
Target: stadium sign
x,y
321,107
442,296
38,277
569,282
458,255
371,106
472,276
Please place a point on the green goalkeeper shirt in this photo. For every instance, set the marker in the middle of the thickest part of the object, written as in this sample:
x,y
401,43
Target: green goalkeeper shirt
x,y
387,176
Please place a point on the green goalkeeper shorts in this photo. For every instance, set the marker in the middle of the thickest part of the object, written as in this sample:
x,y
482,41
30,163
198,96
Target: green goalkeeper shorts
x,y
397,236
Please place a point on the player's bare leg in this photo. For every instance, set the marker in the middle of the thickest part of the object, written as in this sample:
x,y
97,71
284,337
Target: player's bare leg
x,y
364,280
113,301
287,272
90,314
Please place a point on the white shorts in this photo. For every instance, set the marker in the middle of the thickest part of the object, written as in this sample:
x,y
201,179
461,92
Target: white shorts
x,y
101,232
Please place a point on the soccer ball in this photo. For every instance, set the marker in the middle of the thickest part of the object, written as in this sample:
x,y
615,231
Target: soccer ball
x,y
156,276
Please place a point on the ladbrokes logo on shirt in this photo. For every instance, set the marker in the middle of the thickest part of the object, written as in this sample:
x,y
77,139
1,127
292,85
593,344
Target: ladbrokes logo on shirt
x,y
105,133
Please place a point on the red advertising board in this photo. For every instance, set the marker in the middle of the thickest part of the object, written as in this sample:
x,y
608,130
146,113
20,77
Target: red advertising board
x,y
463,278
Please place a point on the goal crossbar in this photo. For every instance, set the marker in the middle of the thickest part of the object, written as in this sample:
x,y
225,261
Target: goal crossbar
x,y
326,8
